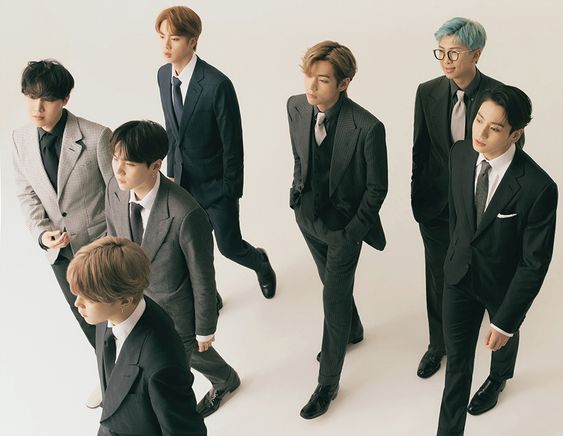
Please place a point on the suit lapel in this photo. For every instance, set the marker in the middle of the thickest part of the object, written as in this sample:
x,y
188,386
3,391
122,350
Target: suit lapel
x,y
439,107
302,130
70,151
194,92
123,227
468,185
345,140
506,190
166,94
159,220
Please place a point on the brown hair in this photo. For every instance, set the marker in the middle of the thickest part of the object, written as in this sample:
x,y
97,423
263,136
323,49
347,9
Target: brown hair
x,y
108,270
182,21
339,56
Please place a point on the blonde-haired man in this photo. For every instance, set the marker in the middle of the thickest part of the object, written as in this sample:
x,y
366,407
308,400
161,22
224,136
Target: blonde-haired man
x,y
339,184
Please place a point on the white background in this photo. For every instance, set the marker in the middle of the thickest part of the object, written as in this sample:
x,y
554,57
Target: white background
x,y
47,369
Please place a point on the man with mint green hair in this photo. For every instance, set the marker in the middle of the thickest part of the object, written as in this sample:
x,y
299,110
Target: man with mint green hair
x,y
444,111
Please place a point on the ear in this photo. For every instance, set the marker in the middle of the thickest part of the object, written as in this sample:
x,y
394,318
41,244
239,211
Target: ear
x,y
65,100
515,136
126,302
477,55
343,86
192,42
156,165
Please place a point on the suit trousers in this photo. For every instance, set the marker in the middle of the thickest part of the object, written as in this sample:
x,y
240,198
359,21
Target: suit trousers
x,y
463,313
436,238
209,363
59,268
224,218
336,262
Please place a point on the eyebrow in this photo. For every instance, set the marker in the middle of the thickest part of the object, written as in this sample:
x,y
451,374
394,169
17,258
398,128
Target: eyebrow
x,y
492,122
455,47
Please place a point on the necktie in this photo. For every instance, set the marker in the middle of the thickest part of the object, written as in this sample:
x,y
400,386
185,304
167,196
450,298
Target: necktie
x,y
458,118
320,130
177,101
136,223
482,191
109,353
50,157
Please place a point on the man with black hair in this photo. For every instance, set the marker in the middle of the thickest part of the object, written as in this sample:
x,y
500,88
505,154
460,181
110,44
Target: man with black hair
x,y
502,223
62,164
165,220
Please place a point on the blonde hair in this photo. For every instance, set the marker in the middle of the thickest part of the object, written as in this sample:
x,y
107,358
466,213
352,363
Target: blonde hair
x,y
339,56
182,21
108,270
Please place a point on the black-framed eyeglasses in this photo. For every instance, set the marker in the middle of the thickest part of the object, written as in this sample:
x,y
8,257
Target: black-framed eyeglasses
x,y
453,55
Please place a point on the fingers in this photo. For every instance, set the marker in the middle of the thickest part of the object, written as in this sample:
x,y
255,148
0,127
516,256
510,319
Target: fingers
x,y
488,338
204,346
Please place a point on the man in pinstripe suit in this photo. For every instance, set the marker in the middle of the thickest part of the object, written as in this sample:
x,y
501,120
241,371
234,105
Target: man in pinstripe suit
x,y
339,184
61,164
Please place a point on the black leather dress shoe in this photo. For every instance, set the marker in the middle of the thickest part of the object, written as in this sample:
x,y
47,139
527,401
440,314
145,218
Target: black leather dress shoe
x,y
429,364
319,402
486,397
212,399
350,342
219,302
266,276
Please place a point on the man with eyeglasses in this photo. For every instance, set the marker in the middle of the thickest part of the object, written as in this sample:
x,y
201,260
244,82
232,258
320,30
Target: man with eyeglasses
x,y
444,110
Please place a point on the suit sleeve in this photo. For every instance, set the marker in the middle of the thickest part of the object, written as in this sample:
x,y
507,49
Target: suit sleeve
x,y
297,183
420,149
375,155
537,249
196,242
229,125
34,213
104,155
173,402
108,208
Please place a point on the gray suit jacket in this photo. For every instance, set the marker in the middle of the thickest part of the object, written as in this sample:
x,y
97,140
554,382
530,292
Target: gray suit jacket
x,y
358,170
84,170
179,245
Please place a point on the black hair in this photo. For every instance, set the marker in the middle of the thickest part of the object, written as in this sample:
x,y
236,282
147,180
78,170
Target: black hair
x,y
140,141
46,79
516,104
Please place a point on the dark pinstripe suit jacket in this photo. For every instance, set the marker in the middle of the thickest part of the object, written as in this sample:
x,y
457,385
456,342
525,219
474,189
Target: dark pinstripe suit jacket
x,y
358,170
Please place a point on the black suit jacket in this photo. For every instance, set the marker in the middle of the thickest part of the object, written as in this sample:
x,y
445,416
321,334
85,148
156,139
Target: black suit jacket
x,y
431,145
150,388
205,151
358,169
509,253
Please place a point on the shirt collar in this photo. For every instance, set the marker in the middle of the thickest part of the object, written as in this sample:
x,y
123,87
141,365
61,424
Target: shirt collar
x,y
187,72
122,330
59,128
332,113
471,89
500,162
148,201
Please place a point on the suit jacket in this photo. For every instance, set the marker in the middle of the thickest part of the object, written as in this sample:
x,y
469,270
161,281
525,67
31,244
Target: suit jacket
x,y
205,154
149,391
84,169
509,253
358,169
179,244
431,145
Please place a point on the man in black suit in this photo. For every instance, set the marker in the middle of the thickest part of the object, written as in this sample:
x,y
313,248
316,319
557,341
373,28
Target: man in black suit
x,y
502,225
205,134
444,110
146,383
339,184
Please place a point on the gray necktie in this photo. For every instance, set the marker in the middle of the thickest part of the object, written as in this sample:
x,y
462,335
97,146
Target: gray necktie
x,y
482,191
136,223
320,130
177,102
458,118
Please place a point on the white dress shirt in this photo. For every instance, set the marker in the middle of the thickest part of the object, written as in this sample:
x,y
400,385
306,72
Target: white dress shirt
x,y
122,330
499,165
185,76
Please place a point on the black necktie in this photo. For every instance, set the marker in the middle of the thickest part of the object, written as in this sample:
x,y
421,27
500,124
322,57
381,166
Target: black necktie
x,y
50,157
177,99
136,223
109,353
482,191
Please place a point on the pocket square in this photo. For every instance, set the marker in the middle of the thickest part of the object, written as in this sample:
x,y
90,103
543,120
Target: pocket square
x,y
510,215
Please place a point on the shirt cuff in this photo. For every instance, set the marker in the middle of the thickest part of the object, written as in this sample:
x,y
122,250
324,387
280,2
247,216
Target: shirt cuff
x,y
502,331
44,247
204,338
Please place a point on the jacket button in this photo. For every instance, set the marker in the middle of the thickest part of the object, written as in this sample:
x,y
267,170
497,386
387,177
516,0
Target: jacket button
x,y
64,214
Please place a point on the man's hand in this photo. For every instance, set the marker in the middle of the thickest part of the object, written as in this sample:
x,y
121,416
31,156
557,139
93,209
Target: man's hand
x,y
55,239
204,346
495,340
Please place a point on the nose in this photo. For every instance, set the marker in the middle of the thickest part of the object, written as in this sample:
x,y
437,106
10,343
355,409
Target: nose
x,y
37,105
76,301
